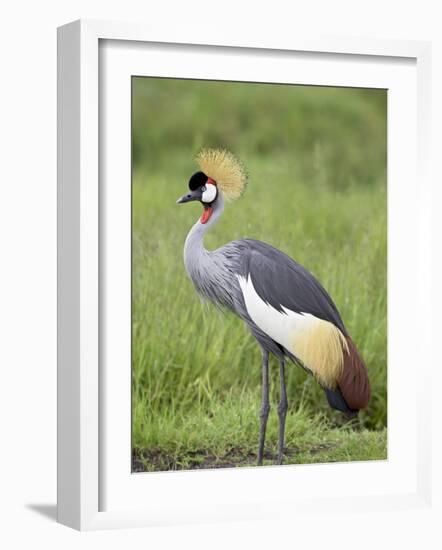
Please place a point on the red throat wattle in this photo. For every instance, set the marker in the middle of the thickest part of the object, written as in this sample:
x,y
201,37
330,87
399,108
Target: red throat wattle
x,y
207,212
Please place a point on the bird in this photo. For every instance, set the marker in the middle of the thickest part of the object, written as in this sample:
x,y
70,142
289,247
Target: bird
x,y
289,313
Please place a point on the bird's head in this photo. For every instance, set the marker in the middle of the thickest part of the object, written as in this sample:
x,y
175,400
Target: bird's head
x,y
204,189
221,174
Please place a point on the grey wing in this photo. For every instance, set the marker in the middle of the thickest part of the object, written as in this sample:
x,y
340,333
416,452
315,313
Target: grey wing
x,y
282,282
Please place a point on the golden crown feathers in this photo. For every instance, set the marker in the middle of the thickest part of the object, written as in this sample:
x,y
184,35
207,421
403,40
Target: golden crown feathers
x,y
227,171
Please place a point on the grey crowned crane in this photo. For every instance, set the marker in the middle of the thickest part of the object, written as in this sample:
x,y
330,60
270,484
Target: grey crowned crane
x,y
285,307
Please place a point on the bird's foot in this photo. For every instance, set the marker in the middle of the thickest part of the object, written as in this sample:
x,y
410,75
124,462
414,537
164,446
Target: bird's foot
x,y
280,457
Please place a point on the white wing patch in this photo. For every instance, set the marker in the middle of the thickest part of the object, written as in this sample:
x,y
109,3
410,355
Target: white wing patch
x,y
317,343
281,327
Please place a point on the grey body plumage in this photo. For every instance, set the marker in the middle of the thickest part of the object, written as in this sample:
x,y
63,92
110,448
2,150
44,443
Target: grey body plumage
x,y
215,273
279,280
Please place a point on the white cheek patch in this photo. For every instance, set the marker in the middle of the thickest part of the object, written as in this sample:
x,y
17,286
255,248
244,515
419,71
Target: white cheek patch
x,y
209,194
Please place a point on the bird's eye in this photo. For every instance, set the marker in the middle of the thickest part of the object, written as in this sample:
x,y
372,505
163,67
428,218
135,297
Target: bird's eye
x,y
203,188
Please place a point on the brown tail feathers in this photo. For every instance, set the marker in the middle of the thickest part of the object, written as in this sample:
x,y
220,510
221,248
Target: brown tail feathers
x,y
354,383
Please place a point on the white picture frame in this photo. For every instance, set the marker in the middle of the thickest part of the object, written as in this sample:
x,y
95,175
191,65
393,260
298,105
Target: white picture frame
x,y
81,471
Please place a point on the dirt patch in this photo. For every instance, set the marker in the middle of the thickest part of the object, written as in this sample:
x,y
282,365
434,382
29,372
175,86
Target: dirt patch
x,y
148,460
322,447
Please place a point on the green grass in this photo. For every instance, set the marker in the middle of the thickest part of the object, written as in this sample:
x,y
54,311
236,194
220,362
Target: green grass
x,y
316,158
224,434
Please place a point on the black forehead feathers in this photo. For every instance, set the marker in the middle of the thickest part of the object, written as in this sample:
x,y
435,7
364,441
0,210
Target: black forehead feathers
x,y
198,179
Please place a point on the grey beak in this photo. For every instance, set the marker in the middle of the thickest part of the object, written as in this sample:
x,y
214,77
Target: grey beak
x,y
191,196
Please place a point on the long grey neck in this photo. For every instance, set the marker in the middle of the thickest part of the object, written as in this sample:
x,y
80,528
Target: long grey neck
x,y
194,250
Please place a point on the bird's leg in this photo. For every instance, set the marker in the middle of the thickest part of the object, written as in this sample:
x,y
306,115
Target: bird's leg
x,y
265,405
282,411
